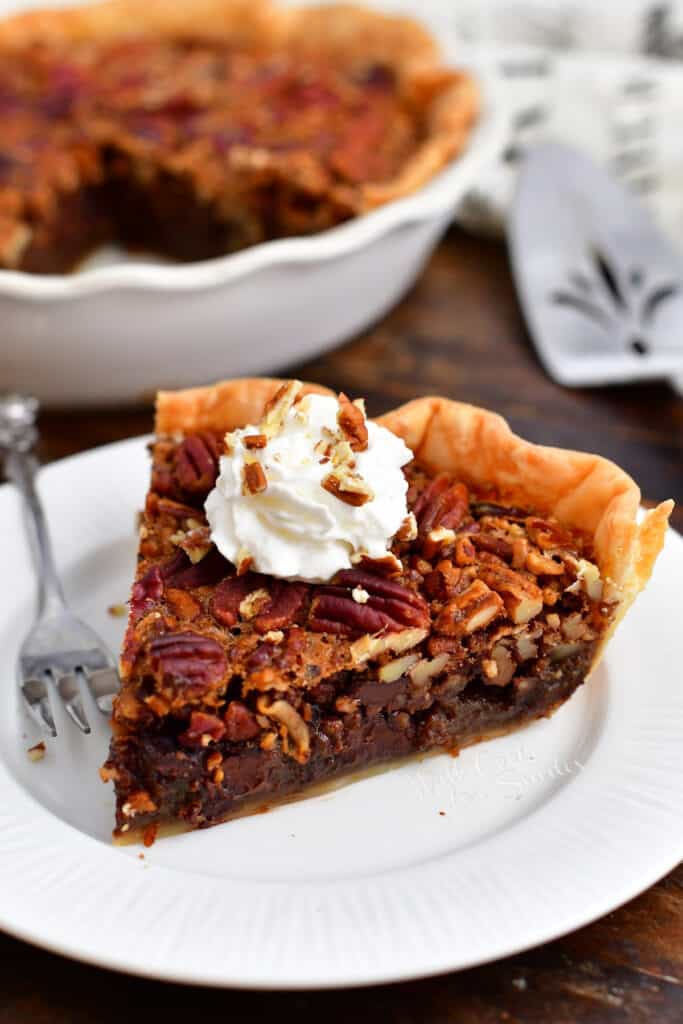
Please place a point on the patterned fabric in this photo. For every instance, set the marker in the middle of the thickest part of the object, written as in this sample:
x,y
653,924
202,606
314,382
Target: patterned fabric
x,y
605,77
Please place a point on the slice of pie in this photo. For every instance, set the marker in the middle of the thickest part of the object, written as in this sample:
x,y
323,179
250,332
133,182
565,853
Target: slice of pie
x,y
317,593
197,128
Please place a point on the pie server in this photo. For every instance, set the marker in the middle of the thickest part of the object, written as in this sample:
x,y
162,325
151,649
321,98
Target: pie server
x,y
600,287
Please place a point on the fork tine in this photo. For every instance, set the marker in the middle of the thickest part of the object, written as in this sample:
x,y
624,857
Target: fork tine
x,y
69,692
96,695
37,702
102,684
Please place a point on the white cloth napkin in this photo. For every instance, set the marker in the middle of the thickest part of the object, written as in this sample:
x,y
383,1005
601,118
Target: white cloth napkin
x,y
604,76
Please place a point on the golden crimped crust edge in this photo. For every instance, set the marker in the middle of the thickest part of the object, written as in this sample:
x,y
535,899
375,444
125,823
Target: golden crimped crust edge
x,y
346,31
584,492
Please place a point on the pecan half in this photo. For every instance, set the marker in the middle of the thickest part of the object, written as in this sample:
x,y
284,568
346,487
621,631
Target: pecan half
x,y
147,591
352,423
180,572
195,465
189,661
156,506
442,503
390,606
431,492
286,600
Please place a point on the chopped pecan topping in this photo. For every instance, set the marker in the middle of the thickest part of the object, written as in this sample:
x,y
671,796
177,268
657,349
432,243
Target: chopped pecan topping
x,y
347,486
389,565
393,670
277,605
253,478
240,722
501,667
139,802
368,647
547,535
253,603
407,531
442,503
438,538
351,420
542,565
495,545
293,726
183,604
522,597
278,406
427,668
203,730
255,441
244,562
196,543
167,507
465,552
229,595
474,609
520,549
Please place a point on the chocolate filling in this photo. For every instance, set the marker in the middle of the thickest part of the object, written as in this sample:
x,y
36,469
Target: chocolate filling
x,y
340,744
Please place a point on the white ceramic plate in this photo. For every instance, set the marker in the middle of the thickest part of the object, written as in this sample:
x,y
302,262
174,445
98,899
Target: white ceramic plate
x,y
540,833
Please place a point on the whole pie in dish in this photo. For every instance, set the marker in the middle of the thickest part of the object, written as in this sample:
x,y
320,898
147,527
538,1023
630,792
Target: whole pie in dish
x,y
195,129
254,667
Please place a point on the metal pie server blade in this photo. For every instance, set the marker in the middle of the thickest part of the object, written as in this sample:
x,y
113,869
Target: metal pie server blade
x,y
600,287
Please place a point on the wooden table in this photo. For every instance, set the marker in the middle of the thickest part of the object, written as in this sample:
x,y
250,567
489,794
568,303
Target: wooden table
x,y
458,333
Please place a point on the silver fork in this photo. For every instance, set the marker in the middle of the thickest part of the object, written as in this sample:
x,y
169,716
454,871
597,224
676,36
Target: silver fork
x,y
61,659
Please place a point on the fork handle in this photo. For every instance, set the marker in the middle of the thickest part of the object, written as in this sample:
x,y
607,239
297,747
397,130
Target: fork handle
x,y
18,435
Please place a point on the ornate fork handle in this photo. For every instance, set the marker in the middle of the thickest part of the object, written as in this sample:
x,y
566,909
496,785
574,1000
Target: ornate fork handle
x,y
18,434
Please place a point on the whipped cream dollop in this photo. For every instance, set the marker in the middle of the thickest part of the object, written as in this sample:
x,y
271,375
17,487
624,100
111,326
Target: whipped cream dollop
x,y
309,490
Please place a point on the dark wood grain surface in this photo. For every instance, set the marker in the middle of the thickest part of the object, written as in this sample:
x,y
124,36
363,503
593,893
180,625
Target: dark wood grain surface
x,y
458,333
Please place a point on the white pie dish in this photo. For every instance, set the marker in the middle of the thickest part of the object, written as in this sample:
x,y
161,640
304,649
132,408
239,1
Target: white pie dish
x,y
120,327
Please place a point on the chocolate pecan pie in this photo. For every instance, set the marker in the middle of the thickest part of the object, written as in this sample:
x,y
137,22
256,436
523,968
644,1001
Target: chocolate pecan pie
x,y
492,605
194,129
